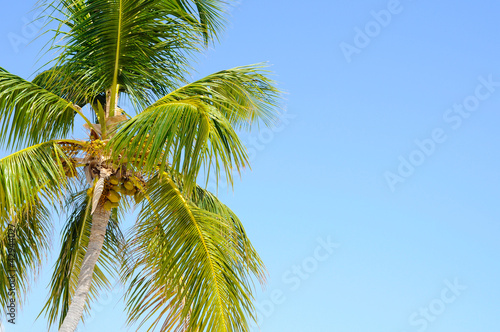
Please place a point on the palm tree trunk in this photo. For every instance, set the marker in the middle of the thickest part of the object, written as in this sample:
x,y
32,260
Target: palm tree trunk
x,y
100,221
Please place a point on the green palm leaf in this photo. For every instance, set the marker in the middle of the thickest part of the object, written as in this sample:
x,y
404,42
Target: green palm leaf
x,y
205,200
209,15
65,84
30,114
22,255
187,134
195,126
190,265
32,174
244,95
134,46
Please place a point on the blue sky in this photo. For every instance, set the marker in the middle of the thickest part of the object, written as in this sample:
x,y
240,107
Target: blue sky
x,y
375,203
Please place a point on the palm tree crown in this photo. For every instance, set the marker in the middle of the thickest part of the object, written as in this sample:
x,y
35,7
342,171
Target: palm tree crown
x,y
187,263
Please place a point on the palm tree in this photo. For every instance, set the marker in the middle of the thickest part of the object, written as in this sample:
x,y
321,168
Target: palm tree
x,y
187,264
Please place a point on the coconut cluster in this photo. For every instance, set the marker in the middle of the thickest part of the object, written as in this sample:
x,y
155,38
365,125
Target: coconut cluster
x,y
116,187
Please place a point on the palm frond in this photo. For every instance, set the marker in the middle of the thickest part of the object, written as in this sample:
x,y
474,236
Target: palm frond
x,y
24,242
188,265
187,135
138,47
30,114
33,174
244,95
74,244
208,14
195,126
205,200
65,84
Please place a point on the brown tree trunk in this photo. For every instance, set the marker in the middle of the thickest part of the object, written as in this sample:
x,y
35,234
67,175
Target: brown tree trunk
x,y
100,221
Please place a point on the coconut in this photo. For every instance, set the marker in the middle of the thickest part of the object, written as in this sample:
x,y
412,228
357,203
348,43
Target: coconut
x,y
113,180
129,185
108,206
113,196
116,188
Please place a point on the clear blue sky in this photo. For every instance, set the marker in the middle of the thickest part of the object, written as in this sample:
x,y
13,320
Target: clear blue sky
x,y
389,156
